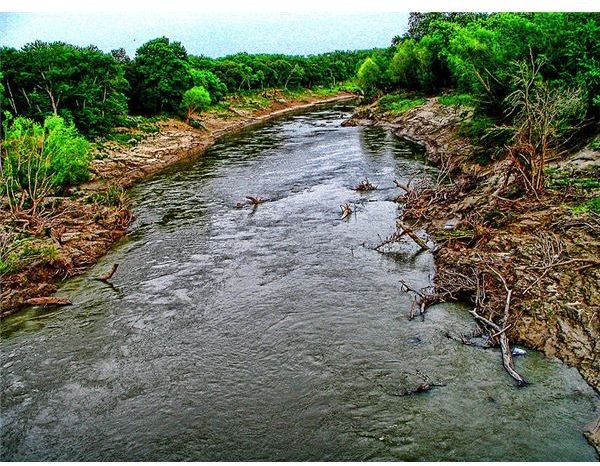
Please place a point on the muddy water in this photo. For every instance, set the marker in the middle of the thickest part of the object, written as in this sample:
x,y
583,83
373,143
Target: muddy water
x,y
274,333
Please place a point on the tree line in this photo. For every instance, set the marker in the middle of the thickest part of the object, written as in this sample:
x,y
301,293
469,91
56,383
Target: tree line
x,y
94,90
532,78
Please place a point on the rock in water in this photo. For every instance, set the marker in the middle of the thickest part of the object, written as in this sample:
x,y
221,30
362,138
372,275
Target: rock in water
x,y
518,352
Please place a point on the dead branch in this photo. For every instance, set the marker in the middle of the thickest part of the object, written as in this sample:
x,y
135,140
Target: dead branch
x,y
365,186
406,230
346,211
107,275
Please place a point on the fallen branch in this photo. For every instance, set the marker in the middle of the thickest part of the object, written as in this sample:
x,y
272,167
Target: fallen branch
x,y
408,231
48,301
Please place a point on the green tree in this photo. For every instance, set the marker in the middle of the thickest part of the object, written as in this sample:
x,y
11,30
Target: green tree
x,y
369,76
208,80
83,85
38,160
411,65
161,74
195,100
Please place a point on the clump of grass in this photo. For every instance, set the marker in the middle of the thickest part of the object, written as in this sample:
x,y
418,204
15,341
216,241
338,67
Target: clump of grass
x,y
591,206
397,104
113,196
17,251
556,179
465,100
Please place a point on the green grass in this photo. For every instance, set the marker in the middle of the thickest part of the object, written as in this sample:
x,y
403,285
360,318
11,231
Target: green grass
x,y
591,206
398,104
465,100
595,145
556,179
16,253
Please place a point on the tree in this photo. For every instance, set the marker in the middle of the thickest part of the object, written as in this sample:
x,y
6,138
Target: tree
x,y
208,80
161,75
411,66
38,160
195,100
83,85
542,114
369,76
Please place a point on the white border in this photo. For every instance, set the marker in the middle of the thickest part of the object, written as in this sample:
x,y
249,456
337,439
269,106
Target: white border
x,y
337,6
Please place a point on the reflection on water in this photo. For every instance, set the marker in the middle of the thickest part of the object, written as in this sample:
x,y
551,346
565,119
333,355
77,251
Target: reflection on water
x,y
274,333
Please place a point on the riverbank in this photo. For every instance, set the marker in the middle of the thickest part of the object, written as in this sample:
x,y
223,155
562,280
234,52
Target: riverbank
x,y
79,229
546,248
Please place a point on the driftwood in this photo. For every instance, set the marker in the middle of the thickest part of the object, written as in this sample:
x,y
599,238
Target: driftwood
x,y
365,186
507,359
346,211
48,301
406,230
424,386
395,237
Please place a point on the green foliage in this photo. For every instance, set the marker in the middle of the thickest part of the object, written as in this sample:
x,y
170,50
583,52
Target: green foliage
x,y
411,66
368,76
209,81
591,206
160,74
399,103
38,160
84,85
465,100
195,100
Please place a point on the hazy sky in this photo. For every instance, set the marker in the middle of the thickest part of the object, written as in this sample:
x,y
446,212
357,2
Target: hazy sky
x,y
213,34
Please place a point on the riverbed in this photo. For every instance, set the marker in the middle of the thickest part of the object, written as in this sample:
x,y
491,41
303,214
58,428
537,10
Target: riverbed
x,y
274,332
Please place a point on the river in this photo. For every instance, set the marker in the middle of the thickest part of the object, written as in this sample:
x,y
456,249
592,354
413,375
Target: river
x,y
274,333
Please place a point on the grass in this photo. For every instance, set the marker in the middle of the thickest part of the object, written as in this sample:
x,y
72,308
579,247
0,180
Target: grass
x,y
397,104
591,206
557,179
17,252
465,100
113,196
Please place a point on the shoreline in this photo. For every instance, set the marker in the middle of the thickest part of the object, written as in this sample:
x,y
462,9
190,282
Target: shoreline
x,y
478,229
82,230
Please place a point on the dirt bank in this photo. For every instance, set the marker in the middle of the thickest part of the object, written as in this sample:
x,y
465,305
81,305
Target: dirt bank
x,y
77,230
548,254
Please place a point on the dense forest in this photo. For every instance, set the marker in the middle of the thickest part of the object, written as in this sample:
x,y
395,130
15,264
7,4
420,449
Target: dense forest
x,y
96,90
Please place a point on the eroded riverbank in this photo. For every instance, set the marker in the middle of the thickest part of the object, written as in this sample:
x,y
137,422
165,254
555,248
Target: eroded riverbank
x,y
547,253
84,226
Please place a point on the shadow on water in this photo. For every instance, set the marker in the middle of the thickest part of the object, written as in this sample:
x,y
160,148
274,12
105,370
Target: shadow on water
x,y
273,333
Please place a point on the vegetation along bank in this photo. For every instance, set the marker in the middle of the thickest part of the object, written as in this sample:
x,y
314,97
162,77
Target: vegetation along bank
x,y
507,107
80,125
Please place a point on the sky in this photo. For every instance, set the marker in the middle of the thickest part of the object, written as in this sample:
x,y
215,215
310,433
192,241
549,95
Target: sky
x,y
210,33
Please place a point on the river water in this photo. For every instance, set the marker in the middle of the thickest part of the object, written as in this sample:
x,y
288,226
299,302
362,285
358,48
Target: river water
x,y
273,333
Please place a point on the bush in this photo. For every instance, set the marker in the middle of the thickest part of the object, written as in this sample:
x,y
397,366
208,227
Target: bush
x,y
40,160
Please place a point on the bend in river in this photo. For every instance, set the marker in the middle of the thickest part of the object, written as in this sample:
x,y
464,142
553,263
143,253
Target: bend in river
x,y
273,333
